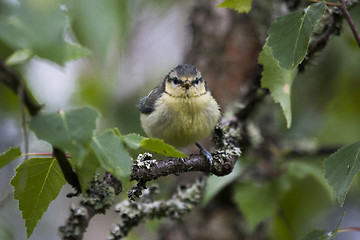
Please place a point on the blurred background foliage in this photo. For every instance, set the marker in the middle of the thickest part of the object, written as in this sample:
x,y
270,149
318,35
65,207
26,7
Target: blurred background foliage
x,y
133,44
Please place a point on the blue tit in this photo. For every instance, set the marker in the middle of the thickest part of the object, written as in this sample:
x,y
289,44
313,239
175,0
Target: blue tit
x,y
180,110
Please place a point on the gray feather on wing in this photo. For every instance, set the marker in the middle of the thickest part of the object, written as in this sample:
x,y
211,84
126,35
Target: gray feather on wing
x,y
147,104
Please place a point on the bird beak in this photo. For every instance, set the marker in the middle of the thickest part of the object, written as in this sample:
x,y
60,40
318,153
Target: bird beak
x,y
186,85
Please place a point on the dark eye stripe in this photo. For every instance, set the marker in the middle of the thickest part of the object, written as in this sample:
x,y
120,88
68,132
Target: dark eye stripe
x,y
197,81
176,81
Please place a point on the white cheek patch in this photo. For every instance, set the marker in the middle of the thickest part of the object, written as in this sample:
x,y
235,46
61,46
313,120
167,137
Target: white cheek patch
x,y
197,86
174,85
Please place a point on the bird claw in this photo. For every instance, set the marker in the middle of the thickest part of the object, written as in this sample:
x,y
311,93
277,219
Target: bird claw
x,y
182,160
205,153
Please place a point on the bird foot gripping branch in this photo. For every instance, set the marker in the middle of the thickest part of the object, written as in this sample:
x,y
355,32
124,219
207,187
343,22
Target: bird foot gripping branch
x,y
226,140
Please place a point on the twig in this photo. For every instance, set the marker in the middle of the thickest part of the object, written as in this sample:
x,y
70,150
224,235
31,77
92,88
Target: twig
x,y
176,166
327,3
23,119
350,229
331,23
100,197
331,26
66,169
322,151
136,191
346,13
225,155
113,182
11,79
132,213
14,82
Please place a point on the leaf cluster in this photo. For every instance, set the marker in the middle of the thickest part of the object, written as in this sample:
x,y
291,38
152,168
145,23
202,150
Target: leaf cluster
x,y
286,47
73,132
23,26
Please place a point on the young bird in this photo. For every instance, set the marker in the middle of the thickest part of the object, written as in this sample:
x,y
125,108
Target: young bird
x,y
180,110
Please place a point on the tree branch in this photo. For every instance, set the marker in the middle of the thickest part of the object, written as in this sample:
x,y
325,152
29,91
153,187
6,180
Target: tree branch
x,y
327,3
67,170
100,197
223,165
132,213
301,152
331,24
11,79
349,229
226,140
348,18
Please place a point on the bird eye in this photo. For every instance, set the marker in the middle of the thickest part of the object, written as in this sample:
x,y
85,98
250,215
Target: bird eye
x,y
176,81
196,82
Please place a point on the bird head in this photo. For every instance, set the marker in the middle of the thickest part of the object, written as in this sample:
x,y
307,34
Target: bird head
x,y
185,81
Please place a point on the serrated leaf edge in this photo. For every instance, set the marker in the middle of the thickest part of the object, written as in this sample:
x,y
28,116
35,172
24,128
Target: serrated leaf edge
x,y
302,21
100,146
30,231
7,151
341,200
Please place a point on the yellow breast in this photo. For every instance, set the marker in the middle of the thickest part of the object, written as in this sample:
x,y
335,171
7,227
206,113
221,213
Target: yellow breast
x,y
181,121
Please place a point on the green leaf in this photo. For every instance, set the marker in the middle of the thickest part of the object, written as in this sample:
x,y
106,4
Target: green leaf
x,y
316,235
108,152
289,35
333,233
341,169
133,140
215,184
86,171
303,169
278,81
279,228
76,51
19,57
98,23
256,202
159,146
37,26
112,154
37,182
71,130
322,234
242,6
9,155
300,179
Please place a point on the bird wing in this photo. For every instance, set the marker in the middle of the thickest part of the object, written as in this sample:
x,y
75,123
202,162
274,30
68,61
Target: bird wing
x,y
147,104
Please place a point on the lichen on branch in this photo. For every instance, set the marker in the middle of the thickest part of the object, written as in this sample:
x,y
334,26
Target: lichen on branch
x,y
145,208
